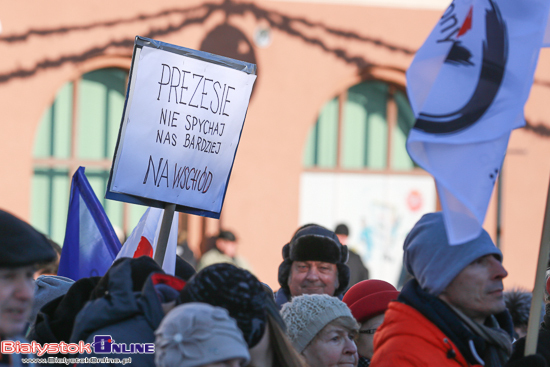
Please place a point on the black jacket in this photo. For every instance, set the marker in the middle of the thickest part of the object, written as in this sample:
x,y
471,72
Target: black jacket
x,y
543,344
125,315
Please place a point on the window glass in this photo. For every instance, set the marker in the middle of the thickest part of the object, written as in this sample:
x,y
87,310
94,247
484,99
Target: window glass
x,y
405,122
364,130
100,100
50,201
365,127
321,149
55,128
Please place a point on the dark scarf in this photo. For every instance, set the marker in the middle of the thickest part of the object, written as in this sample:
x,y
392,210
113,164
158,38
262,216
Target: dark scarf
x,y
488,344
546,320
363,362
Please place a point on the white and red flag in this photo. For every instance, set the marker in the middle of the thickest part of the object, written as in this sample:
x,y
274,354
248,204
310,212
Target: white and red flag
x,y
468,85
144,237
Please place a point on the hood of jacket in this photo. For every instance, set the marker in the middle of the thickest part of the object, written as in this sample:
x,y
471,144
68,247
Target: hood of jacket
x,y
120,302
55,320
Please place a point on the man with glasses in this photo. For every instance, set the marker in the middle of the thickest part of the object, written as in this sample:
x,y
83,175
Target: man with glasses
x,y
368,300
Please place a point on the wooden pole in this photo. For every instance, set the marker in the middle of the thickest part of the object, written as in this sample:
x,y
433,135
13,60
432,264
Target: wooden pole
x,y
540,284
164,233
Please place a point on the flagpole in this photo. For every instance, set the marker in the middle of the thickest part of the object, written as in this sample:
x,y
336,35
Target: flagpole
x,y
164,233
540,284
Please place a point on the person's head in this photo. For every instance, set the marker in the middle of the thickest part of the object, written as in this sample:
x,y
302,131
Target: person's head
x,y
236,290
466,276
322,329
199,335
226,242
49,268
368,300
518,303
248,302
314,262
22,247
342,232
46,289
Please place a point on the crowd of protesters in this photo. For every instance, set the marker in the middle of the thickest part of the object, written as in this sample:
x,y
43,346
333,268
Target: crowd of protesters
x,y
452,312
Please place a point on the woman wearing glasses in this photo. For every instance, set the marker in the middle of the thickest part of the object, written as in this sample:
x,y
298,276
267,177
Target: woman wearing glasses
x,y
368,300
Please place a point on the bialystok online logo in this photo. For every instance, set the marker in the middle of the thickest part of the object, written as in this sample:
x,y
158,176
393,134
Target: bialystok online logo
x,y
103,344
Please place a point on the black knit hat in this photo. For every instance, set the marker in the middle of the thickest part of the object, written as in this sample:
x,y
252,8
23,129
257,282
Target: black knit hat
x,y
313,242
236,290
21,244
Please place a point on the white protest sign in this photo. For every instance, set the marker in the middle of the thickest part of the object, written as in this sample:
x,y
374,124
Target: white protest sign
x,y
180,129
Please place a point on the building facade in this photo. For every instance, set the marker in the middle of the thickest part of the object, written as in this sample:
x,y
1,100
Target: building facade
x,y
324,137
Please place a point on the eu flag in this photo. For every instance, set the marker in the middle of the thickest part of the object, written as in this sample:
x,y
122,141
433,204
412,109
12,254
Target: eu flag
x,y
91,244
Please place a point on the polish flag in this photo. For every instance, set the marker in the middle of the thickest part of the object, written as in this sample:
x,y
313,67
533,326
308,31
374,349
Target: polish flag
x,y
143,240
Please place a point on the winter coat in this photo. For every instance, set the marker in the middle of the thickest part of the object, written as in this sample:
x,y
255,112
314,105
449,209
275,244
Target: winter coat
x,y
543,343
126,316
281,298
421,330
407,338
358,271
15,359
55,320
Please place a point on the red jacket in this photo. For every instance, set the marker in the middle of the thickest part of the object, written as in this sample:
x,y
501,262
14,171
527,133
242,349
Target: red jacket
x,y
407,338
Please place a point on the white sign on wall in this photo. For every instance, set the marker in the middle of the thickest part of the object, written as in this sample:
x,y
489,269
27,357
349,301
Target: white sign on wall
x,y
181,126
379,210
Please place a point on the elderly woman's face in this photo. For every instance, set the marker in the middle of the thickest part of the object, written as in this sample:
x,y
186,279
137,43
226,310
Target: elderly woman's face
x,y
333,346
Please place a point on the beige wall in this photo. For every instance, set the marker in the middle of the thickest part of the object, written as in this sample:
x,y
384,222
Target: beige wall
x,y
302,68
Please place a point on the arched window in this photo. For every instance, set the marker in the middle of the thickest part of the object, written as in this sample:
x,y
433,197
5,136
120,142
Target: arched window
x,y
365,128
357,171
80,128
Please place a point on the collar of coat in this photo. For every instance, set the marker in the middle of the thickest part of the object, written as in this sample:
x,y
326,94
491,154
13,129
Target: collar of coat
x,y
441,315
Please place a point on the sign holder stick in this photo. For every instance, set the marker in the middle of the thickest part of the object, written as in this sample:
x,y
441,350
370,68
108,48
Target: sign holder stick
x,y
164,233
540,284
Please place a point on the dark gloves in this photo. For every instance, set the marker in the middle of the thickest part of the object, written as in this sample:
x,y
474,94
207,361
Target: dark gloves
x,y
535,360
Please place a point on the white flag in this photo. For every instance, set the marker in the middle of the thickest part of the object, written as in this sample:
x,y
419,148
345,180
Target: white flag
x,y
144,238
467,86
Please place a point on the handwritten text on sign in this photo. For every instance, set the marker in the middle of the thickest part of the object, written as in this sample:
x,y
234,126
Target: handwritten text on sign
x,y
182,130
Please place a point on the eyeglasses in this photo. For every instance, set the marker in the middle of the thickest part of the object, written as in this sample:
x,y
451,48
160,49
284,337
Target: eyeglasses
x,y
367,331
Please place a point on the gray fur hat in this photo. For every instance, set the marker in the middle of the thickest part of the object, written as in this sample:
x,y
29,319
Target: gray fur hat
x,y
306,315
196,334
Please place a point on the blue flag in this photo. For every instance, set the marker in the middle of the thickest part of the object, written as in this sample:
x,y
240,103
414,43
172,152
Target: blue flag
x,y
90,245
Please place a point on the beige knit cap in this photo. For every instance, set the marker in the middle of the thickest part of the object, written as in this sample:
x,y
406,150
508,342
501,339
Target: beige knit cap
x,y
308,314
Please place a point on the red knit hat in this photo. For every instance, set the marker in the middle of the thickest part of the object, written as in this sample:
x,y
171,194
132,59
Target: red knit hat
x,y
369,298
